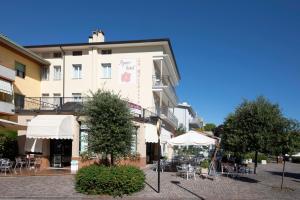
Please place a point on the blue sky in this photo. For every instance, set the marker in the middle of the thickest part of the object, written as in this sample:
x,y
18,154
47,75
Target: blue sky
x,y
226,50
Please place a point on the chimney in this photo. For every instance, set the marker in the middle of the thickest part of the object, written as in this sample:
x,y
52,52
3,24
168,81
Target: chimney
x,y
97,36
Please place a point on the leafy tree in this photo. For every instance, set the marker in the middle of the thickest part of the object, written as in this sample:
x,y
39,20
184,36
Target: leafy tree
x,y
209,127
286,142
109,124
251,126
180,130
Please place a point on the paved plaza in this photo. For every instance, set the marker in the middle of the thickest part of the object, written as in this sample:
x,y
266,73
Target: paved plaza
x,y
264,185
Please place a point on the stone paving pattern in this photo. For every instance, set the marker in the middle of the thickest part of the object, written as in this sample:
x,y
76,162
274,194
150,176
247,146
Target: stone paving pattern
x,y
264,185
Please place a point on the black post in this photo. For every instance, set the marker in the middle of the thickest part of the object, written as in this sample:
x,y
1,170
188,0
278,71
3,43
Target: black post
x,y
158,167
255,164
282,173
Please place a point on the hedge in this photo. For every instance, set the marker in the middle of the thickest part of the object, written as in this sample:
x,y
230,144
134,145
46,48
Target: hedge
x,y
115,181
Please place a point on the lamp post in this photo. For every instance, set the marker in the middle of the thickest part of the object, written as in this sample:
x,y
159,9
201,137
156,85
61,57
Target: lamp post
x,y
158,127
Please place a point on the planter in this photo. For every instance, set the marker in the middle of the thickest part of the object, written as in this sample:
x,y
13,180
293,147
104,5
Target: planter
x,y
204,170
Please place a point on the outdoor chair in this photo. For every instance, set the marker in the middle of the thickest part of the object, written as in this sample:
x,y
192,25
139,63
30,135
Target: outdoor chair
x,y
37,164
181,171
19,163
230,171
162,165
6,166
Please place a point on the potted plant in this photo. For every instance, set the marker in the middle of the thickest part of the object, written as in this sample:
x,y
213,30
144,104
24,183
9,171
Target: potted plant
x,y
204,165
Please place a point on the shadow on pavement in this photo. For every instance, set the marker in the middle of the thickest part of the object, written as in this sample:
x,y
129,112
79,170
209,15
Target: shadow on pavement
x,y
177,183
286,174
244,179
151,187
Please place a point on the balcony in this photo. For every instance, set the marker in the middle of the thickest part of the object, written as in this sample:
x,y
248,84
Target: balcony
x,y
63,104
163,83
7,107
6,98
196,122
165,115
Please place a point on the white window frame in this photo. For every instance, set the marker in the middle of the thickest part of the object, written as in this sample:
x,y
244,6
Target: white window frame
x,y
45,73
56,74
77,71
106,70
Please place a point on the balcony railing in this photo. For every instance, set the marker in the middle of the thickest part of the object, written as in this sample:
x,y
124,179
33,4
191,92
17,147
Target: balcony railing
x,y
165,114
63,104
196,122
75,104
163,81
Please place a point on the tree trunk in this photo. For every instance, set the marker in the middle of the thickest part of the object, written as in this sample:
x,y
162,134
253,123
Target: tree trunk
x,y
112,161
255,161
282,177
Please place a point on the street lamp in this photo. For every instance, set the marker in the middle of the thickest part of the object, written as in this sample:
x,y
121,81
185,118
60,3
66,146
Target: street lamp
x,y
158,129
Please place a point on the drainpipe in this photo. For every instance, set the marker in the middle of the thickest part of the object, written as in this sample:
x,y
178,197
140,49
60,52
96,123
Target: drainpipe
x,y
63,55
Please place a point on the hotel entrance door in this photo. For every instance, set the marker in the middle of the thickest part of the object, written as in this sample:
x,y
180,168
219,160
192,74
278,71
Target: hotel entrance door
x,y
60,153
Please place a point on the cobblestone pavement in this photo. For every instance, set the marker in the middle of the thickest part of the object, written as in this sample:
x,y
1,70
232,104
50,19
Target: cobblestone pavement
x,y
264,185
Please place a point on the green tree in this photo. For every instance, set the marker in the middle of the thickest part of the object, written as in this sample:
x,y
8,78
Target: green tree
x,y
286,142
209,127
109,123
180,130
251,126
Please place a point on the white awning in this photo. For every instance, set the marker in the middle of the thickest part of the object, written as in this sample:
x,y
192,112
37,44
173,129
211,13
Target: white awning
x,y
52,127
34,145
11,125
165,135
6,87
151,133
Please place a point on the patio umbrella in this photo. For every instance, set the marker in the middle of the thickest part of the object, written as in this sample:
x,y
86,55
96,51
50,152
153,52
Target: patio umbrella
x,y
191,138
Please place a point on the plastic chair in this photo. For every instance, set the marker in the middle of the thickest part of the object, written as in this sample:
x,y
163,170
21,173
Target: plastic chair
x,y
20,163
6,165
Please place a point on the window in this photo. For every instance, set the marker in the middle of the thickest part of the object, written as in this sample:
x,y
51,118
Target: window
x,y
57,55
45,73
76,71
83,143
106,70
134,141
20,69
106,51
76,97
77,53
19,101
56,99
57,73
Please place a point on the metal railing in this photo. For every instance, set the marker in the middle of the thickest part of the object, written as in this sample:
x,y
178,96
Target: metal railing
x,y
75,104
163,82
165,114
196,122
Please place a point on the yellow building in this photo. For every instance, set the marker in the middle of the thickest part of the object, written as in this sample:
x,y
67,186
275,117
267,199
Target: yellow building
x,y
19,76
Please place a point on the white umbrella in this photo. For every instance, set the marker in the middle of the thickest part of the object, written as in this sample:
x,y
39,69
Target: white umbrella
x,y
191,138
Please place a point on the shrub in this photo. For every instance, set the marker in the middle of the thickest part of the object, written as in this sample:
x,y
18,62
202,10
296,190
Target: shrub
x,y
115,181
204,164
260,156
8,144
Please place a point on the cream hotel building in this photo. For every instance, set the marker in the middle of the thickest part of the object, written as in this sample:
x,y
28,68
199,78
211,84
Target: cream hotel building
x,y
143,72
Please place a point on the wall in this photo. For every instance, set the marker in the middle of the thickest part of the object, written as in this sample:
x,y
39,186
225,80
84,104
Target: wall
x,y
139,92
30,85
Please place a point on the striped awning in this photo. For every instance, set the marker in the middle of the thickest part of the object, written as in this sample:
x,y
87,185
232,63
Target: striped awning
x,y
6,87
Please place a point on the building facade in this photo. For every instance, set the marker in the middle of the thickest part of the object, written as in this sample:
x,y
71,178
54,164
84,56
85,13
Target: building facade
x,y
143,72
187,118
19,76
